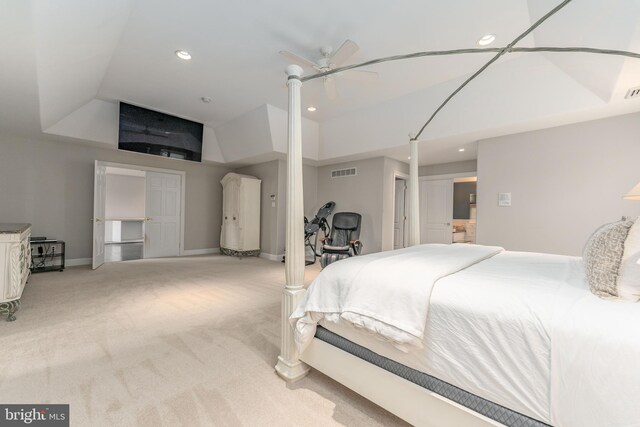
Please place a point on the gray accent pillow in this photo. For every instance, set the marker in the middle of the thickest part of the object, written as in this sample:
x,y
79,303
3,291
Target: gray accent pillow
x,y
602,257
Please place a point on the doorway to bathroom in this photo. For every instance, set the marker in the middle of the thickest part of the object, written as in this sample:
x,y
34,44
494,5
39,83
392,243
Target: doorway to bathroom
x,y
464,209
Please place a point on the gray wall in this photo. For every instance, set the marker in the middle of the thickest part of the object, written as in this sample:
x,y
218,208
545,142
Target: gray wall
x,y
310,188
50,184
269,174
448,168
565,182
274,181
369,193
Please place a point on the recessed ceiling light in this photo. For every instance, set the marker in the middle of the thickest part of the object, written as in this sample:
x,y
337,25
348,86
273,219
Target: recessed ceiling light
x,y
408,158
311,108
461,149
183,54
486,40
206,99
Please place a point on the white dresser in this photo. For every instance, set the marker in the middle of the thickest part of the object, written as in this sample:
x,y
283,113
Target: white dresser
x,y
15,261
240,215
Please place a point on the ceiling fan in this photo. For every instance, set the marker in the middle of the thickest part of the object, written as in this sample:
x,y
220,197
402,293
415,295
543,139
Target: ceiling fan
x,y
330,60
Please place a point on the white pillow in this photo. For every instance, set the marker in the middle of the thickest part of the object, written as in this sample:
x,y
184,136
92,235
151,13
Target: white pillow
x,y
629,273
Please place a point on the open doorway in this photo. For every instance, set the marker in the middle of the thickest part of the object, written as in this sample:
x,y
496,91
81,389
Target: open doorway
x,y
138,212
464,209
124,214
448,208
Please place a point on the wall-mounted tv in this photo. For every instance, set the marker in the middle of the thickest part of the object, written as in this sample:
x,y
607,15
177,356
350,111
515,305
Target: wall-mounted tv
x,y
151,132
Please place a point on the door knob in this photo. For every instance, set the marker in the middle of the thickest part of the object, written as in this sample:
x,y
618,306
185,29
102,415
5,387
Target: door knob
x,y
148,218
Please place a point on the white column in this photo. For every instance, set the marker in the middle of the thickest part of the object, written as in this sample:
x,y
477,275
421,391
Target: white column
x,y
414,196
289,365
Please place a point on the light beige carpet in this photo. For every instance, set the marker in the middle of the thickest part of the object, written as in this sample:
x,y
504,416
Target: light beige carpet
x,y
187,341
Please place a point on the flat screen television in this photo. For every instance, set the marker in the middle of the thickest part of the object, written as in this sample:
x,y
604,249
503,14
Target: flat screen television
x,y
151,132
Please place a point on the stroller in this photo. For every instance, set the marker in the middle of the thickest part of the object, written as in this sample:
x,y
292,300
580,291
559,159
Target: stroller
x,y
313,228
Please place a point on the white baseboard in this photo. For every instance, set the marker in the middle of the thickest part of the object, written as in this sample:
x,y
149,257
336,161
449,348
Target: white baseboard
x,y
189,252
186,252
271,257
77,261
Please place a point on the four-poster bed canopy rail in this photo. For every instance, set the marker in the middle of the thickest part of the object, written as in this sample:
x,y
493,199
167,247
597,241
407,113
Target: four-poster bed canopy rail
x,y
350,371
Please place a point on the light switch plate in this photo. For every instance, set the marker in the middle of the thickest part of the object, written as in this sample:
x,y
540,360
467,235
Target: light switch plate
x,y
504,199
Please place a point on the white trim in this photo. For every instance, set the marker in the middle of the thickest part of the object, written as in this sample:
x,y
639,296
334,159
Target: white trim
x,y
401,175
271,257
405,230
417,405
183,179
77,261
449,175
190,252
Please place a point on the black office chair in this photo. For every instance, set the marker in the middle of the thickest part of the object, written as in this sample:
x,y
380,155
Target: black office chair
x,y
343,240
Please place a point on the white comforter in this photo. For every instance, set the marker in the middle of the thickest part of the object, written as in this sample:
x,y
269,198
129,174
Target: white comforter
x,y
524,331
358,291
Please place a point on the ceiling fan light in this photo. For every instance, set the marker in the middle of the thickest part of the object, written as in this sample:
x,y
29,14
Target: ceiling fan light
x,y
486,40
311,108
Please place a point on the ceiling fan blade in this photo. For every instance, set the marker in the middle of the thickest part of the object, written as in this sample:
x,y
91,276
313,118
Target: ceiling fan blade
x,y
359,75
345,51
298,59
330,88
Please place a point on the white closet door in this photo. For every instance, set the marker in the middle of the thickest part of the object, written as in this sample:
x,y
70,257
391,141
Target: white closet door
x,y
99,208
399,215
162,228
436,208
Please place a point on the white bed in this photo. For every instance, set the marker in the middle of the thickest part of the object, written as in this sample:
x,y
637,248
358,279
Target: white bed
x,y
523,330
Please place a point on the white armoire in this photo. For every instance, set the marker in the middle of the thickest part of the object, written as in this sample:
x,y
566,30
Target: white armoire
x,y
240,215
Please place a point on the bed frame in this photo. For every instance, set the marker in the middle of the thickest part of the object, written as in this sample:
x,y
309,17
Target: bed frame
x,y
403,398
414,404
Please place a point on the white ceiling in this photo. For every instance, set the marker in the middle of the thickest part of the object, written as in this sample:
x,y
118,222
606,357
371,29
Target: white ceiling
x,y
56,56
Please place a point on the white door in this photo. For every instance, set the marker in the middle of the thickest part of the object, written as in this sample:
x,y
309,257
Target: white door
x,y
399,214
99,204
162,209
436,211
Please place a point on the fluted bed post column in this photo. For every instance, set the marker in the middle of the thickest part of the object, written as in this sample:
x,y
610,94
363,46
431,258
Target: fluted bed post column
x,y
414,196
289,365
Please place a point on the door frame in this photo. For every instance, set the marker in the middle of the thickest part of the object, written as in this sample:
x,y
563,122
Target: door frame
x,y
404,177
183,178
99,181
449,176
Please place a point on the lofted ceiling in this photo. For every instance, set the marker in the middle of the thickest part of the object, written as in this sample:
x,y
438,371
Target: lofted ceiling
x,y
58,56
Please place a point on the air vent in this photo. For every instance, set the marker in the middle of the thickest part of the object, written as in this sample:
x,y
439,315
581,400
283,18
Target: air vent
x,y
634,92
338,173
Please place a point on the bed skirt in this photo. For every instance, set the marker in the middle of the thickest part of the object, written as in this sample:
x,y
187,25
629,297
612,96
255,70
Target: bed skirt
x,y
478,404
